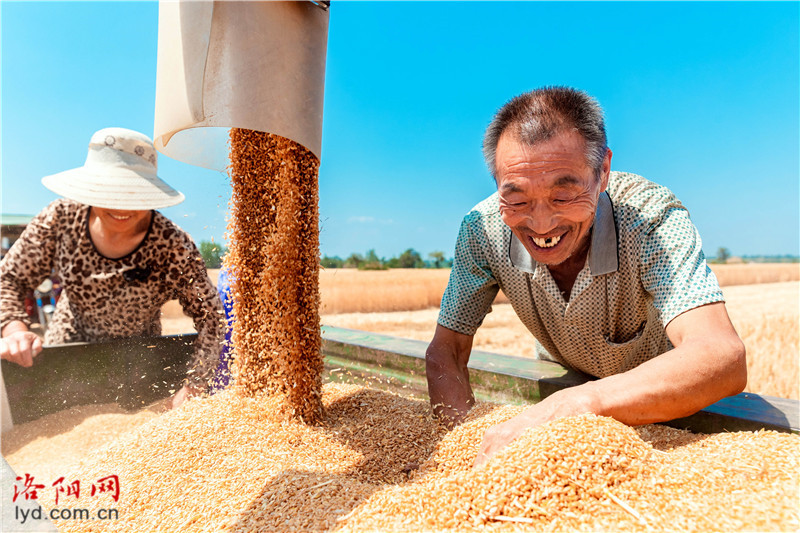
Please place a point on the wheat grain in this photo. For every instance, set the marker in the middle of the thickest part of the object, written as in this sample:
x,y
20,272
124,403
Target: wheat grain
x,y
274,263
379,462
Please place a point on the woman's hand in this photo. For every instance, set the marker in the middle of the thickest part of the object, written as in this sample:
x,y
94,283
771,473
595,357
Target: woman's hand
x,y
19,345
186,392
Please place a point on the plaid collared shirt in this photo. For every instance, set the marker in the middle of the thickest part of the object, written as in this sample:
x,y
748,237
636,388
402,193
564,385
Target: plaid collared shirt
x,y
645,267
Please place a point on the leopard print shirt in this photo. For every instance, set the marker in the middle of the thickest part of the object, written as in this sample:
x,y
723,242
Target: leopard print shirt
x,y
106,298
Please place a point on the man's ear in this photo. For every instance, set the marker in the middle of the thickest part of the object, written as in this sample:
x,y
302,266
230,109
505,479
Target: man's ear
x,y
606,172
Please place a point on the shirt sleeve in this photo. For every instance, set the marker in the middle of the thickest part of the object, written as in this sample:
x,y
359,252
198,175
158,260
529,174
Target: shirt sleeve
x,y
200,300
472,287
674,268
28,263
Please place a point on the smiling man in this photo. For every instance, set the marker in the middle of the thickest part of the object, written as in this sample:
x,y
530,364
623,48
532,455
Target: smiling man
x,y
604,268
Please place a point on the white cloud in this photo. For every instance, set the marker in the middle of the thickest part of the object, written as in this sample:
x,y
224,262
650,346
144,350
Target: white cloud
x,y
360,220
370,220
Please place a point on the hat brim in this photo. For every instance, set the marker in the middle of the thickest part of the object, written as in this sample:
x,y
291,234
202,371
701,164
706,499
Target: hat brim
x,y
113,189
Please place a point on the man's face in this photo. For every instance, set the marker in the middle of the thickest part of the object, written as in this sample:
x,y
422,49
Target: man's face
x,y
548,194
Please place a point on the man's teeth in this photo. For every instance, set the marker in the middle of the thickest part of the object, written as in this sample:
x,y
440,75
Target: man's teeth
x,y
549,242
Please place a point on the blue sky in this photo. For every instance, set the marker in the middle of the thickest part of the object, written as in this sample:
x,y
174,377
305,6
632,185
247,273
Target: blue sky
x,y
701,97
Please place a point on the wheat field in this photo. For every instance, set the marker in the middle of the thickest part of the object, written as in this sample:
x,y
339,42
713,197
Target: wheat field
x,y
347,290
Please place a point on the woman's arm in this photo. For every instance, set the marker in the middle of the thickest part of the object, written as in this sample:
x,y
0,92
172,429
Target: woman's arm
x,y
200,300
29,262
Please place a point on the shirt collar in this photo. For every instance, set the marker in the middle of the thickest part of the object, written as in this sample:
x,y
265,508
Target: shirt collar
x,y
603,253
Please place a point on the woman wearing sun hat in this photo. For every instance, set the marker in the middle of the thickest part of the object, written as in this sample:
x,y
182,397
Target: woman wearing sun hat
x,y
118,259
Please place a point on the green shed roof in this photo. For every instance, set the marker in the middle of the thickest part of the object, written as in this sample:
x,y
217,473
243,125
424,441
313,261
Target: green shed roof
x,y
14,220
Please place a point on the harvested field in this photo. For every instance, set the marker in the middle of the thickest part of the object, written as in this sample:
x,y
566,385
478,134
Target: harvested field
x,y
347,290
379,462
766,316
754,273
353,291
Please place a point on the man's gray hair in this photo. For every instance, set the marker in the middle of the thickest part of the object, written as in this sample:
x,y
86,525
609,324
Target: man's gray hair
x,y
543,113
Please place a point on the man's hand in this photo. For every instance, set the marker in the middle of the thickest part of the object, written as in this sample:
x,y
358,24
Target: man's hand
x,y
186,392
567,402
19,345
448,378
706,365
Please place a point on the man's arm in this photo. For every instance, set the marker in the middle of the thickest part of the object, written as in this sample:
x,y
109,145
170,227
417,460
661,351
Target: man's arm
x,y
448,378
706,365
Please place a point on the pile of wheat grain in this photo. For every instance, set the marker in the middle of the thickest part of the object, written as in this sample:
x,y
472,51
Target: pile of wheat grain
x,y
231,460
44,447
379,462
592,473
274,263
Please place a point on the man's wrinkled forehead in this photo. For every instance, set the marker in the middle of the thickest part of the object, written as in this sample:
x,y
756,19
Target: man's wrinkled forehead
x,y
562,181
510,135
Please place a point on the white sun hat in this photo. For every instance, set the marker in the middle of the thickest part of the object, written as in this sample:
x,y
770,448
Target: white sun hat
x,y
119,173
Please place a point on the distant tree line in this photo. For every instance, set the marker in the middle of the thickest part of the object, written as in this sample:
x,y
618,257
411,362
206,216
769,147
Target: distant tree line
x,y
213,253
370,261
724,256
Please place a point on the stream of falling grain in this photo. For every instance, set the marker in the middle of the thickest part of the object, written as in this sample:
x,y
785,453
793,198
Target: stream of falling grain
x,y
274,263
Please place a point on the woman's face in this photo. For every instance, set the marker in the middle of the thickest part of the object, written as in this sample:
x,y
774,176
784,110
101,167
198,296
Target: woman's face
x,y
122,221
